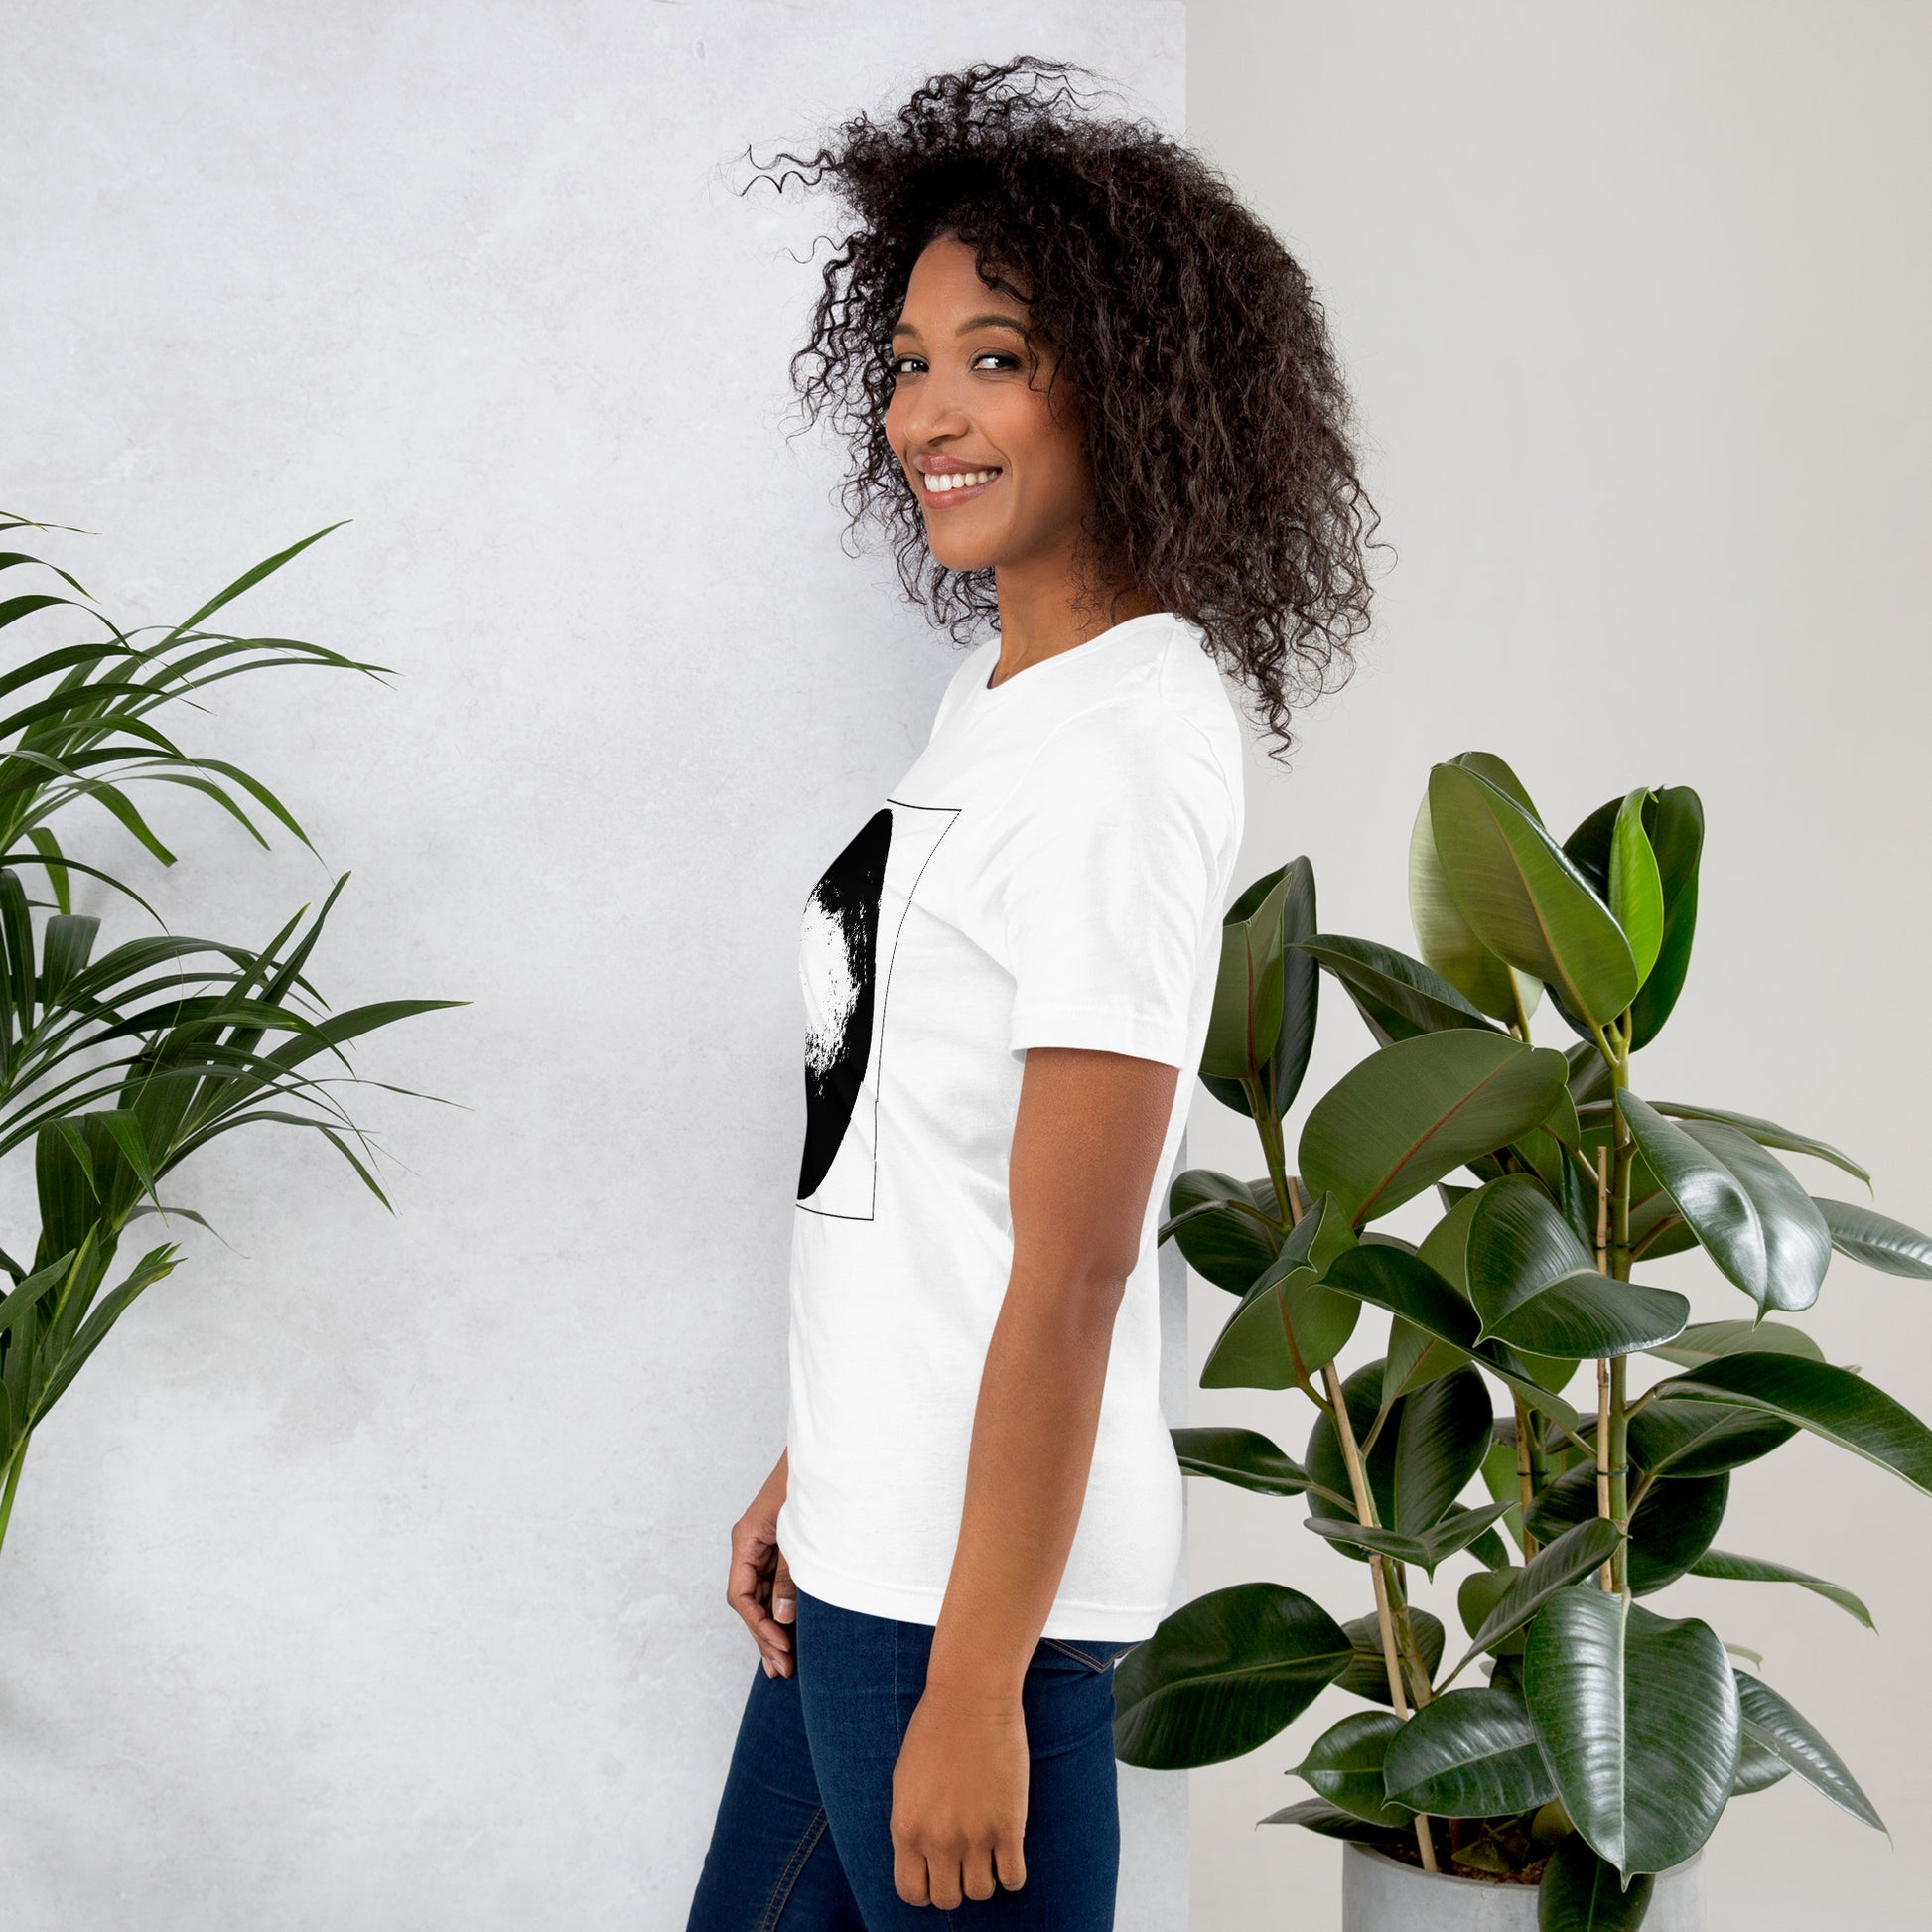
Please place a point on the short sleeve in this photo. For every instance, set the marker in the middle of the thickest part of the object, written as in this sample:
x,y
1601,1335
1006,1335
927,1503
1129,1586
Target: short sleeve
x,y
1108,875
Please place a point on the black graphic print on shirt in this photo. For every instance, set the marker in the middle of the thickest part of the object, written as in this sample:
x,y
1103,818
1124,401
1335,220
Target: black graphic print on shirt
x,y
849,937
840,949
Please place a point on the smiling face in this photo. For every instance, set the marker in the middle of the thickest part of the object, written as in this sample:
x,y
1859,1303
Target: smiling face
x,y
1000,473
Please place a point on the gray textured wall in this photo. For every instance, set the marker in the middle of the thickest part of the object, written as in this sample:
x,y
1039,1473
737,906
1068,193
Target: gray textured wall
x,y
372,1574
1635,299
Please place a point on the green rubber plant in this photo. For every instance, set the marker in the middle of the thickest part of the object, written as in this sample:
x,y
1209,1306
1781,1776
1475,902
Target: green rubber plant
x,y
117,1064
1605,1737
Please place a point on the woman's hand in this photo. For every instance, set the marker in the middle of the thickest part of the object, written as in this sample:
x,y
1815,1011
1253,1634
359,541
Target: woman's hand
x,y
959,1797
760,1586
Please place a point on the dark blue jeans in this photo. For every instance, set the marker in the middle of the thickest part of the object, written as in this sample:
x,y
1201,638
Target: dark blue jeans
x,y
803,1837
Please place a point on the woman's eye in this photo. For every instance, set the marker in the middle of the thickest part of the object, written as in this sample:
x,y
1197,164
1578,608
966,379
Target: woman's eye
x,y
896,365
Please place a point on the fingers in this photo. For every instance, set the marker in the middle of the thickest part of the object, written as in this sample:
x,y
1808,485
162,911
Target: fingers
x,y
943,1878
1012,1864
784,1599
976,1874
908,1877
943,1885
748,1591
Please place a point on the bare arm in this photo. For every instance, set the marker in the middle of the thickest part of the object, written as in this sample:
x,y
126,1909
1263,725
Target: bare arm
x,y
1085,1145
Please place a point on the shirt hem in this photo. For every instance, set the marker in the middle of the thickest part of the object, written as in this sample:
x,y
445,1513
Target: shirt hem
x,y
914,1603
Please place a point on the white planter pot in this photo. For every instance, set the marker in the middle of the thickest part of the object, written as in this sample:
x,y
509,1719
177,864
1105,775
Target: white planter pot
x,y
1382,1894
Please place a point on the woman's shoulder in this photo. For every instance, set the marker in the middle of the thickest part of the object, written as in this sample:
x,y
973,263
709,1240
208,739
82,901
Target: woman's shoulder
x,y
1172,704
1163,727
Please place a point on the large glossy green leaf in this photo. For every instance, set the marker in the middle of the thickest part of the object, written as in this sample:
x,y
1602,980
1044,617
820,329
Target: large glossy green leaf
x,y
1517,1245
1242,1457
1246,1018
1524,898
1222,1675
1579,1892
1590,1314
1876,1240
1362,1394
1440,1441
1344,1764
1831,1402
1270,916
1416,1359
1706,1341
1657,1229
1537,1288
1452,1535
1446,1250
1636,895
1702,1438
1400,997
1318,1815
1406,1286
1638,1718
1224,1235
1759,1767
1729,1568
1674,823
1287,1314
1469,1753
1444,938
1446,1247
1752,1218
1766,1133
1367,1674
1578,1551
1773,1722
1253,1351
1670,1528
1478,1593
1499,772
1797,1242
1418,1110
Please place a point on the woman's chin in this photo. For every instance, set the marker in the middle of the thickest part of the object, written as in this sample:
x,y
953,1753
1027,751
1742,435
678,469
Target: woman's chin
x,y
958,551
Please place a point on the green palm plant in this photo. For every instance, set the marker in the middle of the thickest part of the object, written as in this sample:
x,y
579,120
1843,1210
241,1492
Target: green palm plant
x,y
117,1065
1607,1736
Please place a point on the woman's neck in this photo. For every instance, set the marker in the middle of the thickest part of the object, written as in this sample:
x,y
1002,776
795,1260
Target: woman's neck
x,y
1041,613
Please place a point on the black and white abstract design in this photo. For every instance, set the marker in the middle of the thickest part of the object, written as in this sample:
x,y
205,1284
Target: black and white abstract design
x,y
846,944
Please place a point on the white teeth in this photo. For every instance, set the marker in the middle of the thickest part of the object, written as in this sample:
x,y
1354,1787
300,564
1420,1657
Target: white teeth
x,y
945,479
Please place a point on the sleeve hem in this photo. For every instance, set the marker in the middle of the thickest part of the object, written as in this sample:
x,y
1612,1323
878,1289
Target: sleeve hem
x,y
1107,1030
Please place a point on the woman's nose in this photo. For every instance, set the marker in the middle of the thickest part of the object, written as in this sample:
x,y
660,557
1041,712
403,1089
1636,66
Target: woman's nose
x,y
933,412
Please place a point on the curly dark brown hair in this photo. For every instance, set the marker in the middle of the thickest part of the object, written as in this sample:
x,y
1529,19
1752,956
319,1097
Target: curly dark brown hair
x,y
1217,418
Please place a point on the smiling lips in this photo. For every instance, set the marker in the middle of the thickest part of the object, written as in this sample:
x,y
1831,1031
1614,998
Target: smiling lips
x,y
950,486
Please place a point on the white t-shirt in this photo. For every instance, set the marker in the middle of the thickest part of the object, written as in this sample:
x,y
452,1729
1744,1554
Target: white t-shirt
x,y
1052,871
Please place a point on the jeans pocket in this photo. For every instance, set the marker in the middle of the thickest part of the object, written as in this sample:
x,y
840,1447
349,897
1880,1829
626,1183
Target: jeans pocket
x,y
1064,1653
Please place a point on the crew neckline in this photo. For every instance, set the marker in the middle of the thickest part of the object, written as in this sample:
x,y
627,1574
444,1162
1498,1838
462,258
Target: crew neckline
x,y
1060,656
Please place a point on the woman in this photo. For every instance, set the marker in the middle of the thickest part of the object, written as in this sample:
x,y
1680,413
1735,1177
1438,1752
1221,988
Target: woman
x,y
1091,400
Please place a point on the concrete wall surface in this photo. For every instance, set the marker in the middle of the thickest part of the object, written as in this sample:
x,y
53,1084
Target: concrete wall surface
x,y
372,1574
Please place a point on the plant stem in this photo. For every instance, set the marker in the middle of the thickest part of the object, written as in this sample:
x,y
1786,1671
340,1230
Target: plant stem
x,y
13,1483
1522,1017
1384,1611
1615,1415
1607,1574
1619,1476
1269,1127
1411,1648
1525,1477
